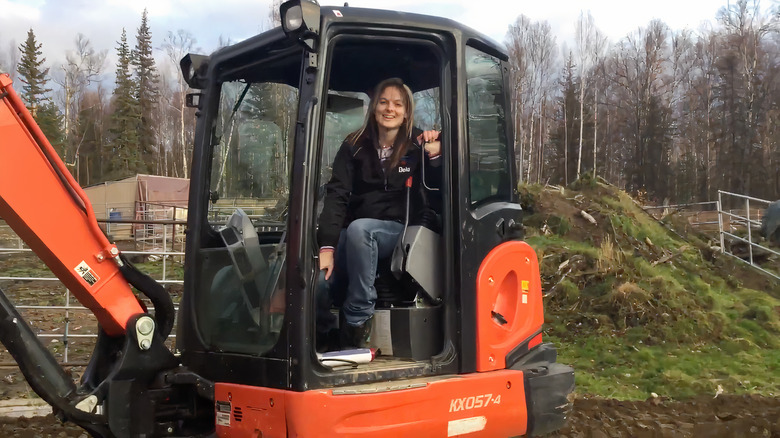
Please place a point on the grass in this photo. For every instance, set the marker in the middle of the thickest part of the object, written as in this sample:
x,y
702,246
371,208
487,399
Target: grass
x,y
627,369
27,268
173,270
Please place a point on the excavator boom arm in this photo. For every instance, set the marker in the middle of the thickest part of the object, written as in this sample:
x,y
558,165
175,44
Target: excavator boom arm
x,y
133,385
45,206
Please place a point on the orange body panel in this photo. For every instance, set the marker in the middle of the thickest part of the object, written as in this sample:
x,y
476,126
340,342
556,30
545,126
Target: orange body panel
x,y
38,205
509,303
535,341
476,405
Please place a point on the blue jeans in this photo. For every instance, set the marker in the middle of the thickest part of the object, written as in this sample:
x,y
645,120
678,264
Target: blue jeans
x,y
361,245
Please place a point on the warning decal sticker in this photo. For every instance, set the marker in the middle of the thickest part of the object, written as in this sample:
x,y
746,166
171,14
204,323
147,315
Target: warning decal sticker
x,y
223,413
223,419
87,273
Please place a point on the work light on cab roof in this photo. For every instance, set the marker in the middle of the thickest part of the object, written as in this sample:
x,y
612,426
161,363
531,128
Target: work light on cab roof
x,y
301,19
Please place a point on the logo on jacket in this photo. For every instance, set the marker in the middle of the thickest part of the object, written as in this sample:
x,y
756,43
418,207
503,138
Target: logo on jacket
x,y
402,169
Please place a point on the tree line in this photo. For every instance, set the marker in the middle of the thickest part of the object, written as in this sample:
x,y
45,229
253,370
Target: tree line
x,y
139,125
673,114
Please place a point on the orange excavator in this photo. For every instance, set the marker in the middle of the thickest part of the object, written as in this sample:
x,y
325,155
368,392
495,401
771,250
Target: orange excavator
x,y
458,319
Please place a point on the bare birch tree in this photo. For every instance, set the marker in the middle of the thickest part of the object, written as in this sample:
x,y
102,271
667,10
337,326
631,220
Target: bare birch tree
x,y
742,63
176,46
533,56
10,59
83,67
590,44
640,63
517,44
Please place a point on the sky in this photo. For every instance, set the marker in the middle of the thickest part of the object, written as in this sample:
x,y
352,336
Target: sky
x,y
57,22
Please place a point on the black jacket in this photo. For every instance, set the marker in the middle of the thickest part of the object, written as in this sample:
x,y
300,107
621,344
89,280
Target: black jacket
x,y
359,188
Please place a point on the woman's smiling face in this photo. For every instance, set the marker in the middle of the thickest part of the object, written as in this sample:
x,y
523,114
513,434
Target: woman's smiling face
x,y
390,109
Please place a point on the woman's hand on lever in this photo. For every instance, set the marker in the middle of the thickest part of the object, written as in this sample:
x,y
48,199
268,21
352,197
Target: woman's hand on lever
x,y
432,143
326,261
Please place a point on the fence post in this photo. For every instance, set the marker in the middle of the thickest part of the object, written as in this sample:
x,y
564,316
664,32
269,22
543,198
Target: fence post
x,y
165,249
173,231
720,222
749,231
67,323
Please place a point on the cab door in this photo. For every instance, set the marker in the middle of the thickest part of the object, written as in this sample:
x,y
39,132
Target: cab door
x,y
488,212
352,63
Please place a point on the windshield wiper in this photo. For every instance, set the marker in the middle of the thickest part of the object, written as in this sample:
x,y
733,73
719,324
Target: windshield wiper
x,y
238,102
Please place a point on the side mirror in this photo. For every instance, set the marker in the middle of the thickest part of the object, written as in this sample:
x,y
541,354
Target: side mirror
x,y
301,20
192,100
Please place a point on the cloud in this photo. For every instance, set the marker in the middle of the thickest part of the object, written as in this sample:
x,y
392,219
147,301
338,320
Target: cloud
x,y
614,18
57,22
28,11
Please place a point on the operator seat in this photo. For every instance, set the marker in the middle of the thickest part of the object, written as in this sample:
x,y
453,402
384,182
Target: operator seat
x,y
409,315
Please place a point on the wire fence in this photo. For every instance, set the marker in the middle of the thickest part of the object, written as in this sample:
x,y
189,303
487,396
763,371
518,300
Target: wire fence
x,y
150,234
741,226
61,322
702,215
737,229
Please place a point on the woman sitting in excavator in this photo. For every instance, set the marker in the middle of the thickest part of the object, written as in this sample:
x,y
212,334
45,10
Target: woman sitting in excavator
x,y
365,207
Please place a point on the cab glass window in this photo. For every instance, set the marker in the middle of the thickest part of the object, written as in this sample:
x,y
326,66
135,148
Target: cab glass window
x,y
345,112
489,177
241,290
358,66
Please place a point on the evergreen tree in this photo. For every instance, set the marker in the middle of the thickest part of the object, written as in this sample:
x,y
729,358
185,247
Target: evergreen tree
x,y
656,137
565,136
32,73
146,80
34,92
49,119
125,117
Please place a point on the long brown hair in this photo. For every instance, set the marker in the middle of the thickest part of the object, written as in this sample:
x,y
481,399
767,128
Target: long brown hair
x,y
370,131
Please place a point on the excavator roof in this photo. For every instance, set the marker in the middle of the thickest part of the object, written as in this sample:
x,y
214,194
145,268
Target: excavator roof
x,y
354,71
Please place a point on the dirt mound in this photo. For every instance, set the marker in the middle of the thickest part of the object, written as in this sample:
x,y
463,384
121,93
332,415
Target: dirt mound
x,y
607,265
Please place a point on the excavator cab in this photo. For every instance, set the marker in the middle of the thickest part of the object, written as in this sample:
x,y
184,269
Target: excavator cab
x,y
272,112
459,319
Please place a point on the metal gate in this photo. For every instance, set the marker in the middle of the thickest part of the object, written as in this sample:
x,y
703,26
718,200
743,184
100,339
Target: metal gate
x,y
746,220
60,307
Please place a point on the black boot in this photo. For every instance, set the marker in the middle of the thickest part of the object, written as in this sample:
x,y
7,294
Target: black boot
x,y
328,341
355,336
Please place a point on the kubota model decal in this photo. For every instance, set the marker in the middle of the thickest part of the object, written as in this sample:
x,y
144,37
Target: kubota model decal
x,y
474,402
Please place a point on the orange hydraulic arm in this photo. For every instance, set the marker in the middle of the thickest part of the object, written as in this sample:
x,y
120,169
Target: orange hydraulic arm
x,y
45,206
